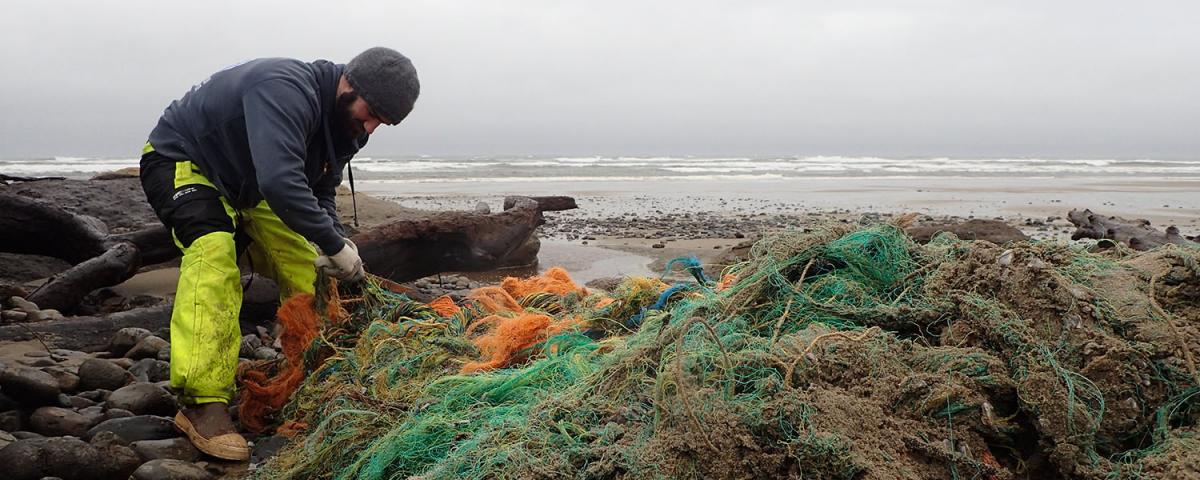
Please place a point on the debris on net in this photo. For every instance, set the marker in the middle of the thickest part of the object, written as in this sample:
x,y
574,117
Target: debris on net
x,y
846,353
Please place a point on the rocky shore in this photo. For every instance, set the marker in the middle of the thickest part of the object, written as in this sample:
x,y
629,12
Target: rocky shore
x,y
103,409
106,414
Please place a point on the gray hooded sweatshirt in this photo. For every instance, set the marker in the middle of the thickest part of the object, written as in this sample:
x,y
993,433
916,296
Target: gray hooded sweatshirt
x,y
261,131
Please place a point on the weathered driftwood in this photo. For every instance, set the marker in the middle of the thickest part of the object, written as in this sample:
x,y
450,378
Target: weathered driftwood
x,y
1137,233
994,231
401,251
64,291
410,249
88,333
4,179
545,204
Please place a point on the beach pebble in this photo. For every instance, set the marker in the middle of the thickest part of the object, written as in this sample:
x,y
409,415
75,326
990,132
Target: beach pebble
x,y
125,339
24,435
30,386
11,421
80,402
58,422
65,457
169,469
265,353
178,448
98,395
151,370
482,207
20,303
143,398
117,458
123,362
13,315
67,382
48,315
137,428
658,245
98,373
5,439
148,347
249,344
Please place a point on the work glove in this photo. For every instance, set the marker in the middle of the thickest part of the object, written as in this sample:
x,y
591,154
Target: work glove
x,y
344,265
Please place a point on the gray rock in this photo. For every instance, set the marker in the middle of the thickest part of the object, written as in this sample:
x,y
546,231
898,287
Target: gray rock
x,y
23,435
123,362
168,469
265,353
250,343
482,207
30,386
94,414
151,370
164,354
117,413
143,399
65,457
97,396
67,382
11,421
133,429
59,422
117,458
80,402
5,439
125,339
267,447
98,373
147,348
170,448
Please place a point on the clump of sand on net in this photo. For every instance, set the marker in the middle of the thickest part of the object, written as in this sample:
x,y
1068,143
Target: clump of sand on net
x,y
846,353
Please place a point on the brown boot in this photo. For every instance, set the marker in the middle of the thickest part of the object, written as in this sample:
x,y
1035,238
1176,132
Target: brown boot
x,y
211,430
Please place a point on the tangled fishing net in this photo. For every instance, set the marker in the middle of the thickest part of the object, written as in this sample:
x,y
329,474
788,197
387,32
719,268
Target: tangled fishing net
x,y
846,353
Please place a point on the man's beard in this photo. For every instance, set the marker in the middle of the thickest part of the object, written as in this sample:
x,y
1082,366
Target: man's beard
x,y
343,123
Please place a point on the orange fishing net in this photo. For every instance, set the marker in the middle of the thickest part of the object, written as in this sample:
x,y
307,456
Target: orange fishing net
x,y
513,330
444,306
726,281
555,280
263,394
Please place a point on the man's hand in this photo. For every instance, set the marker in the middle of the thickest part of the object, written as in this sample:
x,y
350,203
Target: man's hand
x,y
344,265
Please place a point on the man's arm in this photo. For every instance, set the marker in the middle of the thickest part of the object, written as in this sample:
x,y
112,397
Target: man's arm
x,y
326,193
279,117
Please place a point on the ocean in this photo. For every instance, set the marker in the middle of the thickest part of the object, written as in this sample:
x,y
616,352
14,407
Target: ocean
x,y
509,169
1162,190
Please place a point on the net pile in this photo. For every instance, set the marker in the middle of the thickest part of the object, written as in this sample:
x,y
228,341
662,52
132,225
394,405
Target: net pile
x,y
844,353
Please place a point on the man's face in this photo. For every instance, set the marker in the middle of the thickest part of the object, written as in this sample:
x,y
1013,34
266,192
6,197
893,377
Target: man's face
x,y
353,118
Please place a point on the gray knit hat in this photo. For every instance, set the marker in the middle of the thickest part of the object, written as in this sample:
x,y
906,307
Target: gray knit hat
x,y
386,80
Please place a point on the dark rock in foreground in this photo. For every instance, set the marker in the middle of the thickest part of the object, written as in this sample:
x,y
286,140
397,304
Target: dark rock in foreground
x,y
30,386
167,469
133,429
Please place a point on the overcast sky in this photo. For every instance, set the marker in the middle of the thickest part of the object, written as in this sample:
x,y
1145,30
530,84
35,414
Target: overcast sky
x,y
965,78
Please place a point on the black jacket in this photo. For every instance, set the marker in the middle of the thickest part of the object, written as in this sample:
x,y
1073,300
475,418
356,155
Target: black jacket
x,y
261,131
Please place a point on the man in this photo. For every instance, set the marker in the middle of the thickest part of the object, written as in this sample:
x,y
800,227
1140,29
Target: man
x,y
256,152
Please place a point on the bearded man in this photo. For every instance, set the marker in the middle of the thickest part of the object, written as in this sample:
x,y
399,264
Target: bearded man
x,y
250,160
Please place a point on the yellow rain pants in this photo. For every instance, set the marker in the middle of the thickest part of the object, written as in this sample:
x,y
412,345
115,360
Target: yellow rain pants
x,y
205,336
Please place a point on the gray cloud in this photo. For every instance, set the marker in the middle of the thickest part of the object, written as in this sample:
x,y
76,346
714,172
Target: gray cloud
x,y
889,78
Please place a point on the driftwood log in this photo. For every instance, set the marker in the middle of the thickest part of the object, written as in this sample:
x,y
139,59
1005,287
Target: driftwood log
x,y
545,204
458,241
1137,233
401,251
